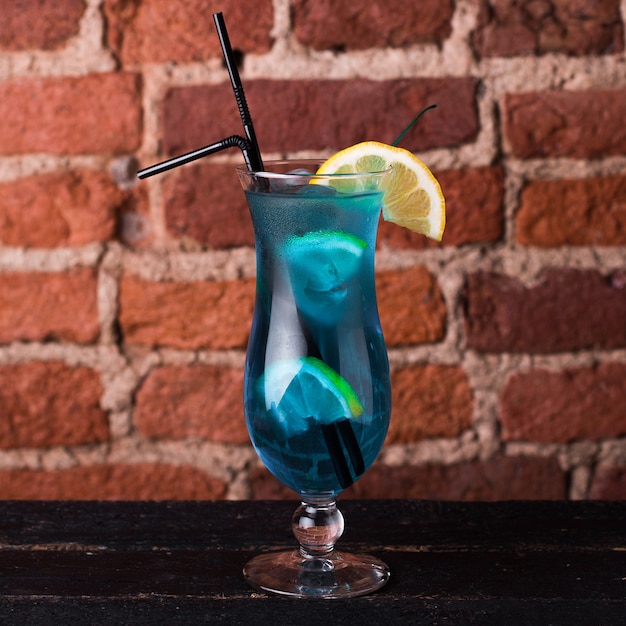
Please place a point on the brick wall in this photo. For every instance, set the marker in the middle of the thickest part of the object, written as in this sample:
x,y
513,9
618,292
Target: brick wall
x,y
125,306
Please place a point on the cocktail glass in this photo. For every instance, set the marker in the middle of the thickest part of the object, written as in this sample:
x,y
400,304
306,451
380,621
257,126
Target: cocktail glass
x,y
316,389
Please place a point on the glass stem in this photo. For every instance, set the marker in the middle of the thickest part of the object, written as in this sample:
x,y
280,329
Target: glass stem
x,y
317,525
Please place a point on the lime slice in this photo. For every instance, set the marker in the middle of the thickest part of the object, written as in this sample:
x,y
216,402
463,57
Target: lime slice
x,y
298,391
413,197
321,264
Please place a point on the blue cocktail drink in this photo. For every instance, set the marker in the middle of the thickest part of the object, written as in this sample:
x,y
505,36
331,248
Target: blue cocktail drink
x,y
317,391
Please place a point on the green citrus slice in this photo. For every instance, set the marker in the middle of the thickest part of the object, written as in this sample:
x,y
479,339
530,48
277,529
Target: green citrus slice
x,y
297,391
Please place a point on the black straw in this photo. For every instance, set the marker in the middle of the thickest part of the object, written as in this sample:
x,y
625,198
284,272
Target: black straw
x,y
248,144
333,434
230,142
340,464
344,428
240,96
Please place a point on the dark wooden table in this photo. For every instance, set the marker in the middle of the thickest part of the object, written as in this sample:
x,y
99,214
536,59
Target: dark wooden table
x,y
180,563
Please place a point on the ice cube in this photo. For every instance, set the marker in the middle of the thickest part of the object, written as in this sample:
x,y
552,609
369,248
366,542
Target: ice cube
x,y
300,179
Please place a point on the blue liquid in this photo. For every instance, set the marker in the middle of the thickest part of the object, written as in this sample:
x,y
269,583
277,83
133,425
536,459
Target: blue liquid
x,y
315,297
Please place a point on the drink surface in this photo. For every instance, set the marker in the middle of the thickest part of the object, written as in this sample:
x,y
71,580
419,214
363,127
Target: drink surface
x,y
317,391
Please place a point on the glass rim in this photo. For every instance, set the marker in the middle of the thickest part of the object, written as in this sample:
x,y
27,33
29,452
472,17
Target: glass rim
x,y
243,169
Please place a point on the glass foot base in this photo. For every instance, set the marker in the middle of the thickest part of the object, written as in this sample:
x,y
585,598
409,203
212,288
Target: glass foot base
x,y
339,575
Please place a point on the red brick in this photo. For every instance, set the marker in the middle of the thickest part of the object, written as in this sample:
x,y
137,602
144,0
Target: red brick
x,y
331,25
323,114
573,404
160,31
49,306
574,124
568,310
589,212
140,481
429,401
186,315
506,28
48,404
411,306
60,209
474,211
502,478
609,483
201,401
206,203
100,113
47,25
